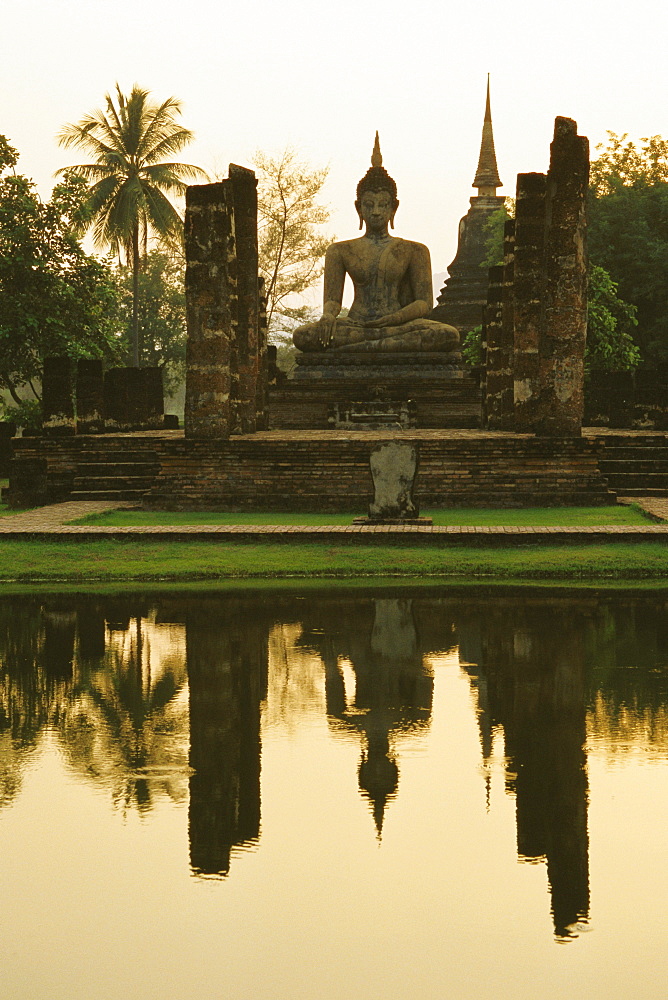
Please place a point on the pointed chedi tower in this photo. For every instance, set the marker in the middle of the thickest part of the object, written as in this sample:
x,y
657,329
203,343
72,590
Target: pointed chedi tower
x,y
465,292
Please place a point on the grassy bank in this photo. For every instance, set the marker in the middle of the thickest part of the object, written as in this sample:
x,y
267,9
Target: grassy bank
x,y
465,516
70,560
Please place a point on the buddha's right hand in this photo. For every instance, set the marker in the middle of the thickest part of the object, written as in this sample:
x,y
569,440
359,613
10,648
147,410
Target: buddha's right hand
x,y
326,325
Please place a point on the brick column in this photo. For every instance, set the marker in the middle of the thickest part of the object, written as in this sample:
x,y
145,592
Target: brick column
x,y
262,385
561,366
528,296
211,309
117,415
153,408
244,200
494,355
58,397
506,413
90,396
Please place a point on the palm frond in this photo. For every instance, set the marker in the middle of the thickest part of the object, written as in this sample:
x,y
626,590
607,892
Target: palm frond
x,y
159,125
129,184
169,143
175,171
161,214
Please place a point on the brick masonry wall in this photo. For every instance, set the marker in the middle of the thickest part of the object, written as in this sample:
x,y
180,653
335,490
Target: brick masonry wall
x,y
450,403
333,474
327,474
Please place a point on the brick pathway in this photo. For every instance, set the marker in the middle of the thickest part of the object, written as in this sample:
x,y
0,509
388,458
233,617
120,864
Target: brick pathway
x,y
656,507
49,522
52,518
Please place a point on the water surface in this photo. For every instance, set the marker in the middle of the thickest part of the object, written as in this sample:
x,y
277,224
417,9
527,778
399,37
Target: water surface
x,y
445,793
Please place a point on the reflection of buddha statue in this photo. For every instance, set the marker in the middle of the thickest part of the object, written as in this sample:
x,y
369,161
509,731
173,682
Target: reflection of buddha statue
x,y
392,279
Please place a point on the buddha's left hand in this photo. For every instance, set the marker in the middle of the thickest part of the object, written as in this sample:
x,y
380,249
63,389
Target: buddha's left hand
x,y
394,319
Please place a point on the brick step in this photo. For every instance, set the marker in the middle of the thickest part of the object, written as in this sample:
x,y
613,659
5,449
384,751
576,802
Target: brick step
x,y
655,480
632,449
119,494
636,450
123,469
629,491
112,456
314,501
615,466
96,483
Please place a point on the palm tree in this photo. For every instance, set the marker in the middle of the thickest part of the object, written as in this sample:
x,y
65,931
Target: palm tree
x,y
129,183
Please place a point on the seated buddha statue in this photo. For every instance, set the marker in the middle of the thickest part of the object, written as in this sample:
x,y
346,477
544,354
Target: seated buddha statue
x,y
392,282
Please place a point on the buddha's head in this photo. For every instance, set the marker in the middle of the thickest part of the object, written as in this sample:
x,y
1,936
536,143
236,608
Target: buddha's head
x,y
377,200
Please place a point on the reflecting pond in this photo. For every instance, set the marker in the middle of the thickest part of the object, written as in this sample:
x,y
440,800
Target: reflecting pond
x,y
433,793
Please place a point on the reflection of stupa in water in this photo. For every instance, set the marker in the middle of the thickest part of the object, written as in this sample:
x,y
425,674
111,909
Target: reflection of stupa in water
x,y
530,680
377,640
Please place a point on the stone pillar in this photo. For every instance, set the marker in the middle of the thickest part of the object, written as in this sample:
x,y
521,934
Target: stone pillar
x,y
550,289
90,396
211,309
153,405
506,395
244,204
561,365
493,323
528,296
262,386
58,397
117,416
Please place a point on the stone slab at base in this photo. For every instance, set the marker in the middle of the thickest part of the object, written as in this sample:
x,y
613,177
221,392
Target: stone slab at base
x,y
372,367
409,521
440,400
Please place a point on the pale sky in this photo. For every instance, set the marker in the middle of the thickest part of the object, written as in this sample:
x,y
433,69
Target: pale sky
x,y
324,77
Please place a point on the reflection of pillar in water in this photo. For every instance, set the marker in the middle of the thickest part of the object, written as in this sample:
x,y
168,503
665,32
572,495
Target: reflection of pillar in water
x,y
91,630
59,634
548,748
534,671
227,677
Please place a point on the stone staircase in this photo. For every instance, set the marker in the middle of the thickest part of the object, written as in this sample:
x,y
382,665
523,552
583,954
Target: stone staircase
x,y
635,465
114,474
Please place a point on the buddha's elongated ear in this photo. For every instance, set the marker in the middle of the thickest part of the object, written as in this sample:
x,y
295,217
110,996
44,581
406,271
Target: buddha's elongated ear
x,y
358,209
394,212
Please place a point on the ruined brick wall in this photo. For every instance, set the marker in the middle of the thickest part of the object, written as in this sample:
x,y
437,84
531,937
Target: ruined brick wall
x,y
544,299
58,396
330,474
224,357
319,473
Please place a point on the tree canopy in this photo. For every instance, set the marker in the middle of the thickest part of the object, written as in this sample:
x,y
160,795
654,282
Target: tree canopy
x,y
611,321
162,314
628,231
291,247
130,178
54,298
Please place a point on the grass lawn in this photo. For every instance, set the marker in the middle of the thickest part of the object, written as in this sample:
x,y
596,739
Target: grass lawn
x,y
71,560
469,516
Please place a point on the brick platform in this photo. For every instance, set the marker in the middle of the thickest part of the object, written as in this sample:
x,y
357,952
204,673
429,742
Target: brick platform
x,y
304,470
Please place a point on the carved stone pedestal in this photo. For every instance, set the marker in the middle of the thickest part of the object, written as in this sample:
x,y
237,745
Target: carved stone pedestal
x,y
377,369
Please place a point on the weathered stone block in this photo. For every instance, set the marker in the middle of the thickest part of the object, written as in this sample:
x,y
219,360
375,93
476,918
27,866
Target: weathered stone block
x,y
210,309
58,397
90,396
561,363
244,202
529,282
394,467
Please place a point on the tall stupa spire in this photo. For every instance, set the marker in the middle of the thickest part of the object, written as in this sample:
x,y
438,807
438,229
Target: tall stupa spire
x,y
487,178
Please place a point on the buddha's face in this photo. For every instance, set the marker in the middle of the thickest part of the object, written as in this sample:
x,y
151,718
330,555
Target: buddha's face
x,y
376,209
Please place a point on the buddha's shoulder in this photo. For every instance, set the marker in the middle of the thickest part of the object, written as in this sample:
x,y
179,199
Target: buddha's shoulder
x,y
413,247
361,243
